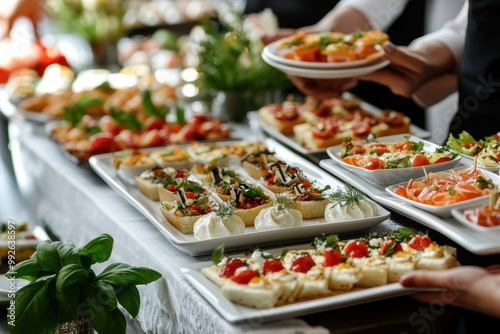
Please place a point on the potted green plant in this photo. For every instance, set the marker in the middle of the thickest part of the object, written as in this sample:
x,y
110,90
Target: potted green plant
x,y
63,287
232,70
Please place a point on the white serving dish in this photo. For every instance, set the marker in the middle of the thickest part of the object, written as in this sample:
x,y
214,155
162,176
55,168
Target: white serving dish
x,y
236,313
391,176
441,210
273,53
458,214
326,73
186,242
473,241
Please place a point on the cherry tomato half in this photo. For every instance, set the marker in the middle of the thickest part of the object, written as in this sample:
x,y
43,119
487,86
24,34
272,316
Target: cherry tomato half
x,y
230,267
302,264
419,242
272,266
332,257
356,248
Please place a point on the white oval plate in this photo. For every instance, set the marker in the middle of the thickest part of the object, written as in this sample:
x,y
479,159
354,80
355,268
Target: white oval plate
x,y
341,73
273,53
395,175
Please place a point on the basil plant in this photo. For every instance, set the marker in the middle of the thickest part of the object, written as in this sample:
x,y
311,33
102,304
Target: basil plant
x,y
62,287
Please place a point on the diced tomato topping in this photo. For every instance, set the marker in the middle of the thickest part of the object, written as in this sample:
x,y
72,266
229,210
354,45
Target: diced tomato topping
x,y
244,275
361,129
302,264
470,144
389,247
272,266
356,248
103,142
172,187
190,195
419,242
230,267
332,257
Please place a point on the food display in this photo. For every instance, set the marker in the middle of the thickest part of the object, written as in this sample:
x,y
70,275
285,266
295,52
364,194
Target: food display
x,y
280,215
222,222
263,280
405,153
333,47
318,124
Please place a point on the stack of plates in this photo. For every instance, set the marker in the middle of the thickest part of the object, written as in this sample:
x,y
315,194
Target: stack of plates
x,y
317,70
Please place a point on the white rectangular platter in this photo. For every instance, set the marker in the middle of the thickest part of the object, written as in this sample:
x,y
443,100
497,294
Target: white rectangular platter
x,y
236,313
102,165
474,241
291,142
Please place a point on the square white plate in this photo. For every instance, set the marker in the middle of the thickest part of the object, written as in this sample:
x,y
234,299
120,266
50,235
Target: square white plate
x,y
236,313
395,175
458,214
186,242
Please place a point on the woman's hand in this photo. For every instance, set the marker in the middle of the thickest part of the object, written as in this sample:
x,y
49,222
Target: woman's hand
x,y
470,287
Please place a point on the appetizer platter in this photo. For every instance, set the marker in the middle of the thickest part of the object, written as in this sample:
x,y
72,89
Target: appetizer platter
x,y
326,274
392,159
312,126
487,150
473,240
198,236
328,55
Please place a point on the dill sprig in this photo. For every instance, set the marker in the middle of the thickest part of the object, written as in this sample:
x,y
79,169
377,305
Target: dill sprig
x,y
225,209
283,202
346,196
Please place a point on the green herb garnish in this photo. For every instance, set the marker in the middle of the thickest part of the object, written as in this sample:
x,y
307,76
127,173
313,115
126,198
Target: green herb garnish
x,y
346,196
225,209
283,202
218,254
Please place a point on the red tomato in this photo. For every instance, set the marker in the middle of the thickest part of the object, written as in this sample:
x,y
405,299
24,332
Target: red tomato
x,y
361,129
356,248
103,142
230,267
403,146
272,266
389,247
470,144
419,242
332,257
190,195
374,163
151,138
154,123
442,159
243,275
419,160
302,264
108,124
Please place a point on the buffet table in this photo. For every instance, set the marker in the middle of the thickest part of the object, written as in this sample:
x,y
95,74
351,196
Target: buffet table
x,y
73,203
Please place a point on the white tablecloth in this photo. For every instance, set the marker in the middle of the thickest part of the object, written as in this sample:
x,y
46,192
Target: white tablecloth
x,y
75,204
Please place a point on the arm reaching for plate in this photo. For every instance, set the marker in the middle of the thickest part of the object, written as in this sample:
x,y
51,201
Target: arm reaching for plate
x,y
470,287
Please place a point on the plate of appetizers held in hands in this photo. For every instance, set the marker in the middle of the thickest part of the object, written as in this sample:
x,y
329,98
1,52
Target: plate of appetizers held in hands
x,y
235,192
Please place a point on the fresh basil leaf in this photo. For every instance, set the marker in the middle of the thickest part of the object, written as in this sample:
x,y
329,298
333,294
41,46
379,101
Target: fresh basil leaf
x,y
48,257
104,293
180,115
101,248
218,254
92,130
28,269
130,299
68,254
68,276
283,253
68,304
109,322
73,115
34,309
123,274
147,103
403,234
127,119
